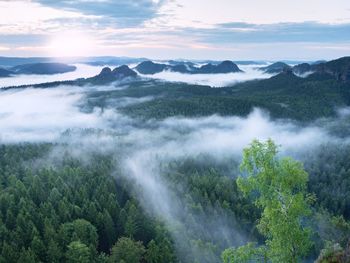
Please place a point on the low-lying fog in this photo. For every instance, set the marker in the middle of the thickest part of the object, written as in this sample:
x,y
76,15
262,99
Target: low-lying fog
x,y
43,114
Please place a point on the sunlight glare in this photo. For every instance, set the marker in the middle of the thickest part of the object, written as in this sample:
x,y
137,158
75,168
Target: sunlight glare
x,y
70,45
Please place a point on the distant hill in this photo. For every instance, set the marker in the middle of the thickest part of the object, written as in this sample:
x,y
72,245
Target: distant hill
x,y
338,69
43,68
302,68
150,68
15,61
275,68
123,72
38,69
318,62
107,75
249,62
224,67
4,73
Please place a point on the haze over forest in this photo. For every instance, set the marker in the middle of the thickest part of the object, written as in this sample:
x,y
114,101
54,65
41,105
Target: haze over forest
x,y
162,131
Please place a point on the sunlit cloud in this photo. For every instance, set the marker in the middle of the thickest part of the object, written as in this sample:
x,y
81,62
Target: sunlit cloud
x,y
2,48
20,17
124,13
69,44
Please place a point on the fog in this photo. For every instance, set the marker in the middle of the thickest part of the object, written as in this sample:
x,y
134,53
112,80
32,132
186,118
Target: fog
x,y
43,114
142,148
214,80
82,71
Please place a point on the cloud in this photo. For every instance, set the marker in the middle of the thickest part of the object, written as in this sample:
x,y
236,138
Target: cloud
x,y
21,17
126,13
153,28
21,39
29,12
40,115
272,33
205,13
159,29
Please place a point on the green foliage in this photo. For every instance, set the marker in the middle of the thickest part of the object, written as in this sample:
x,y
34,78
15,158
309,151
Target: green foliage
x,y
79,230
330,229
329,169
127,250
279,189
153,252
246,253
78,253
27,255
334,253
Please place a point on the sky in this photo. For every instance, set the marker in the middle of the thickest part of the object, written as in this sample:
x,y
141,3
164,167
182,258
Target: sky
x,y
172,29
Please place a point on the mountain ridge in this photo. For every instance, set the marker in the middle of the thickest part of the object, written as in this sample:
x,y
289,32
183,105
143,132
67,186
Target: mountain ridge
x,y
37,69
150,68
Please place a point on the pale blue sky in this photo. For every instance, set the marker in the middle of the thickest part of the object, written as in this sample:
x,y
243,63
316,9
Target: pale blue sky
x,y
198,29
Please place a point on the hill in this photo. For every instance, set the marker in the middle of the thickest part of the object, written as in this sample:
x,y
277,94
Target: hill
x,y
43,68
338,69
107,76
150,68
274,68
4,73
224,67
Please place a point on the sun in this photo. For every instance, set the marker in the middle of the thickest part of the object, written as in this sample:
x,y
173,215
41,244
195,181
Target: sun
x,y
71,44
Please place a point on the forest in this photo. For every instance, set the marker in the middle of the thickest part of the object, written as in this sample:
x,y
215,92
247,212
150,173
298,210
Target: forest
x,y
73,211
